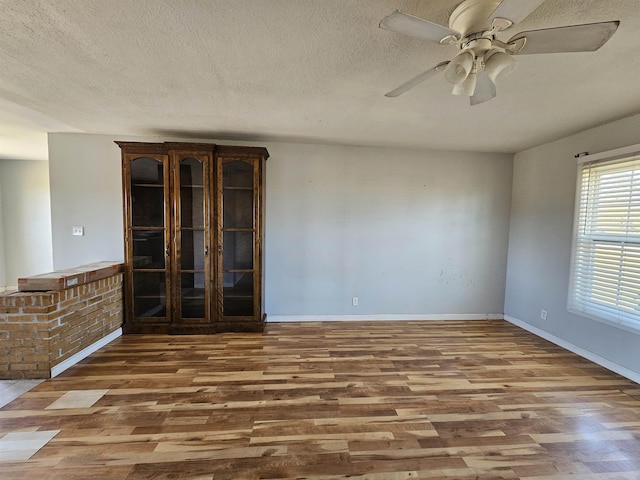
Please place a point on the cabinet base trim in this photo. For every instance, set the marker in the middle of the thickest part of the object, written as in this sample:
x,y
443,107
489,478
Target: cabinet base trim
x,y
84,353
367,318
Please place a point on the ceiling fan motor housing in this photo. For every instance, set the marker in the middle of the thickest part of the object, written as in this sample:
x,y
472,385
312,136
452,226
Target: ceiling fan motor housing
x,y
477,36
471,16
480,45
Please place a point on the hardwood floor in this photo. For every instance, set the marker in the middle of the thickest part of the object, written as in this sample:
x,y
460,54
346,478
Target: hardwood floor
x,y
12,389
366,400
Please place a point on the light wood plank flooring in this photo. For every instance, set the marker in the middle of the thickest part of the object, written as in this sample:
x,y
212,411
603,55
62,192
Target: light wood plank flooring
x,y
366,400
12,389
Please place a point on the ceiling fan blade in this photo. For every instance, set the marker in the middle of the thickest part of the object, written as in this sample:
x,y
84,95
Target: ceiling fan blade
x,y
485,89
401,22
417,80
515,10
574,38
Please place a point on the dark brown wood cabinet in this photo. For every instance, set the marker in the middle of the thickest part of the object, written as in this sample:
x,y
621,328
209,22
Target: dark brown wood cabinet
x,y
193,231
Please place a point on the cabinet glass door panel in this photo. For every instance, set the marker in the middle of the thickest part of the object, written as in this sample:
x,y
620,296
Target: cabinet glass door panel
x,y
192,295
147,192
192,214
192,250
191,193
146,229
150,294
147,171
191,172
148,249
147,206
191,237
238,251
237,174
238,294
149,307
238,307
238,221
238,208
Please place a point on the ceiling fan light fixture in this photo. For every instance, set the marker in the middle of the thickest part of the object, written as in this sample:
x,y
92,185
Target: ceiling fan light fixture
x,y
473,29
499,65
460,67
467,88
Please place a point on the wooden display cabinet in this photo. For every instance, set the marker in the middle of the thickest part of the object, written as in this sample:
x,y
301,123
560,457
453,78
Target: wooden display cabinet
x,y
193,217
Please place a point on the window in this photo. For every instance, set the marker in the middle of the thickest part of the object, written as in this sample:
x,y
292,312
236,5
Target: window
x,y
605,276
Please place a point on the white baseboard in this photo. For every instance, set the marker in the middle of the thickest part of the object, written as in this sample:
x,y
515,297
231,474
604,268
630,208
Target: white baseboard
x,y
369,318
595,358
85,352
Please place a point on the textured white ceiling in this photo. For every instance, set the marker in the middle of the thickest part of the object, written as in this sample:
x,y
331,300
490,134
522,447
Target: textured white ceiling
x,y
295,70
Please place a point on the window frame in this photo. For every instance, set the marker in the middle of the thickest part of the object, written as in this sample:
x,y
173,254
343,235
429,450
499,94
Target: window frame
x,y
632,153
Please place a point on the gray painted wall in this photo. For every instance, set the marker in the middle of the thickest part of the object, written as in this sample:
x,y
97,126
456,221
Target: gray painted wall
x,y
540,239
84,172
26,220
3,282
408,232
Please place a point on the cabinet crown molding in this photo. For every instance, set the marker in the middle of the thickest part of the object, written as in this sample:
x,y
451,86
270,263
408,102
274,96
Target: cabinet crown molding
x,y
167,147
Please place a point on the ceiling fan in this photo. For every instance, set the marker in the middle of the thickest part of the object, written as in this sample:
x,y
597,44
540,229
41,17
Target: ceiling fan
x,y
483,59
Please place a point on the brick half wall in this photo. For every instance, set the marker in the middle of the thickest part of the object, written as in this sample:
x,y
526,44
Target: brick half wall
x,y
39,330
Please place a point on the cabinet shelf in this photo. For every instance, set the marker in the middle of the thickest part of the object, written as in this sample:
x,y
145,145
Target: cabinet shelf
x,y
238,188
147,185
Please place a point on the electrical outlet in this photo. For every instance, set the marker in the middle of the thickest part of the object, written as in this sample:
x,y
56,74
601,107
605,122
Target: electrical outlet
x,y
77,231
354,301
543,314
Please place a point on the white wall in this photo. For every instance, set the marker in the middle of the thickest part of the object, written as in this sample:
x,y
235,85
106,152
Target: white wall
x,y
541,229
26,220
408,232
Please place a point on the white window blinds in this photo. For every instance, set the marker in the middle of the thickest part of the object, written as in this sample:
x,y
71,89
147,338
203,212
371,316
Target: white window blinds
x,y
605,278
